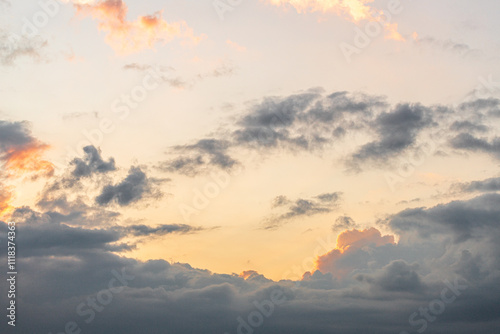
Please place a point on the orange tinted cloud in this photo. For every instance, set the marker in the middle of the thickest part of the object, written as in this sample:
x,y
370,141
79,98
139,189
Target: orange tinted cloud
x,y
5,199
347,243
27,159
20,156
354,10
132,36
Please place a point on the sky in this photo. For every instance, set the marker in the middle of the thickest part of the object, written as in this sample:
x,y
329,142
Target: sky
x,y
265,166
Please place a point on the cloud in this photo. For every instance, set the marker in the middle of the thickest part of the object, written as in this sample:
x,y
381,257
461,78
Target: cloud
x,y
91,163
344,223
78,197
397,276
396,131
488,185
20,156
323,203
6,196
468,126
460,219
135,187
21,153
14,47
133,36
488,107
144,230
353,250
354,10
312,121
383,283
467,142
204,153
305,121
460,49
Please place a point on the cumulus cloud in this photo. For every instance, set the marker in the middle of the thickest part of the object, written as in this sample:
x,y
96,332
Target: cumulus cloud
x,y
131,36
64,267
352,250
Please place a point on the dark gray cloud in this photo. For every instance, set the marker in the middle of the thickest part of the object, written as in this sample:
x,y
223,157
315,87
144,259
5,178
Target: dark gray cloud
x,y
397,276
489,106
300,121
343,223
144,230
205,152
91,163
488,185
396,131
463,220
135,187
71,199
20,151
304,121
66,266
15,136
468,142
468,126
323,203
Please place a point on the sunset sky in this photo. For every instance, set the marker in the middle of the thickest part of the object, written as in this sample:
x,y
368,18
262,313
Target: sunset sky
x,y
342,152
